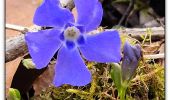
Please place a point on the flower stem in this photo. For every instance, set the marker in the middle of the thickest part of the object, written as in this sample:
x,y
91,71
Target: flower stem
x,y
122,93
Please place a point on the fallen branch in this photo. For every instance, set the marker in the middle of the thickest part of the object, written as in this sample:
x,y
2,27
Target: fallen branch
x,y
16,46
154,56
157,33
16,28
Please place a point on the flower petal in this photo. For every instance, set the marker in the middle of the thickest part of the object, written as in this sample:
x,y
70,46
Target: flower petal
x,y
70,69
85,9
42,46
103,47
96,18
51,14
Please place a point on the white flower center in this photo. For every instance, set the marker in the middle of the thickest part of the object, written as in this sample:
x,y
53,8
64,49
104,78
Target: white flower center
x,y
71,33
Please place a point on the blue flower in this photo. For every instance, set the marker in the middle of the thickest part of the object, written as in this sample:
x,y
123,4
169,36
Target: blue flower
x,y
69,37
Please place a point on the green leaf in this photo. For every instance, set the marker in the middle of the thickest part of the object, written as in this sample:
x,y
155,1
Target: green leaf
x,y
14,94
28,63
116,75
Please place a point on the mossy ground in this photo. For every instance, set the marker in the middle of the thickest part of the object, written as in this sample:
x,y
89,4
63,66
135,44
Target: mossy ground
x,y
146,84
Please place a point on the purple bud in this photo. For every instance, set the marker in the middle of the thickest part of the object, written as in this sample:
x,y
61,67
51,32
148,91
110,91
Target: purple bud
x,y
132,55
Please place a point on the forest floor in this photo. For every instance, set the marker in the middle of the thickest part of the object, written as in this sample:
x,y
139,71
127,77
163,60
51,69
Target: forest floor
x,y
147,84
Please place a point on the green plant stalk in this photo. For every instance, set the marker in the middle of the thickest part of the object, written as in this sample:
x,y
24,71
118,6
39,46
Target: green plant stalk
x,y
122,91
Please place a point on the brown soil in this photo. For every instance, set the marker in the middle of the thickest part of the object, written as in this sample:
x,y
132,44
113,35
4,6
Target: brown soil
x,y
19,12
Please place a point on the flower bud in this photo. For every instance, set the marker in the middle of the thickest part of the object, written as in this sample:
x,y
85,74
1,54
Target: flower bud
x,y
132,55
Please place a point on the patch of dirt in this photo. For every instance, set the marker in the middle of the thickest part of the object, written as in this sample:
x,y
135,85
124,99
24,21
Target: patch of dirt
x,y
19,12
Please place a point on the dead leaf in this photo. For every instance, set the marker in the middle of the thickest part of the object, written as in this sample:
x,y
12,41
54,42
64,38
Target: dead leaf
x,y
44,80
151,48
11,68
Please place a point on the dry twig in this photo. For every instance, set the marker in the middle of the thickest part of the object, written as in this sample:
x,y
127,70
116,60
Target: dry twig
x,y
157,33
126,14
16,28
155,56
